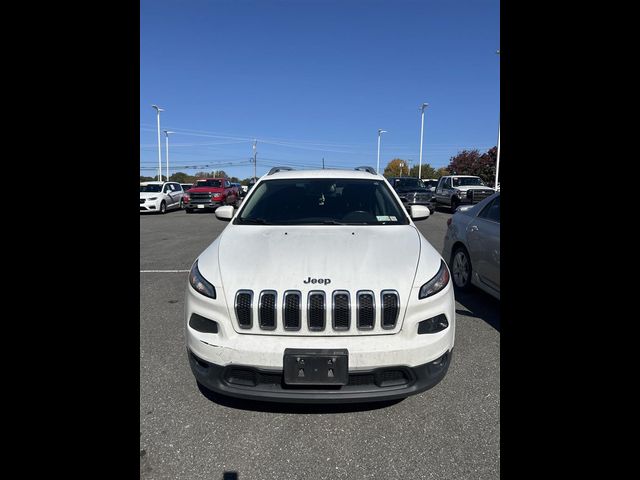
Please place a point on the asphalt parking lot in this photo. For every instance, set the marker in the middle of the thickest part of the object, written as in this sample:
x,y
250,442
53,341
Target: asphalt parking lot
x,y
449,432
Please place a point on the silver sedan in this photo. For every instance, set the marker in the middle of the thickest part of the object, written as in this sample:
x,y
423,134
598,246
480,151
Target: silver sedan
x,y
472,246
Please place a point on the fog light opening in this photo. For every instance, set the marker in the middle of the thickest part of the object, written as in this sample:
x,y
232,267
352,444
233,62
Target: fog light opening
x,y
433,325
202,324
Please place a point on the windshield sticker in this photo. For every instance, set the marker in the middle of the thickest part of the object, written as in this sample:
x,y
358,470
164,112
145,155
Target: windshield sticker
x,y
383,218
393,219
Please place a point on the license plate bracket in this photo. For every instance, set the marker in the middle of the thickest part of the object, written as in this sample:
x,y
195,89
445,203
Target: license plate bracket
x,y
316,366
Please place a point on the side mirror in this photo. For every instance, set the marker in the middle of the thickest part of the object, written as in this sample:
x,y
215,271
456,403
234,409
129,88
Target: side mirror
x,y
418,212
224,213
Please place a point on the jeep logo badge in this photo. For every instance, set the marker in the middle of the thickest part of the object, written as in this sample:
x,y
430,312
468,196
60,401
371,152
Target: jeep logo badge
x,y
325,281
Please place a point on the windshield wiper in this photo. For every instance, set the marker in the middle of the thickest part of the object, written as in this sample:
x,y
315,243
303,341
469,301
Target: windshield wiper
x,y
254,221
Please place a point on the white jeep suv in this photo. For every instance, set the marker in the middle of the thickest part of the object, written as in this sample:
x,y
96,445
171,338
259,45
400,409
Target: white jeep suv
x,y
320,289
160,196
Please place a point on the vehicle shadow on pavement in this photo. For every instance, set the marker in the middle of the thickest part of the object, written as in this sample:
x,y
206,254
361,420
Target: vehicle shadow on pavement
x,y
479,305
295,408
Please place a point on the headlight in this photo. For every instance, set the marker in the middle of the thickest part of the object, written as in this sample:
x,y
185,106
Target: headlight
x,y
217,195
198,282
437,283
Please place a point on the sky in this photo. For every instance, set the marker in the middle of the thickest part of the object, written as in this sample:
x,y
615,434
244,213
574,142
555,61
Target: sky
x,y
314,79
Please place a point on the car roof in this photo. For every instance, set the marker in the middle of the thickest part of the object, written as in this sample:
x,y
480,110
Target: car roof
x,y
153,183
323,173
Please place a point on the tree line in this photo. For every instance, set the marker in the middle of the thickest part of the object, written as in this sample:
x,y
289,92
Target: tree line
x,y
182,177
465,162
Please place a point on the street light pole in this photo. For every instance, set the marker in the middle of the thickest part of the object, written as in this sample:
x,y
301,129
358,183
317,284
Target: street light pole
x,y
422,107
498,159
380,132
166,133
158,110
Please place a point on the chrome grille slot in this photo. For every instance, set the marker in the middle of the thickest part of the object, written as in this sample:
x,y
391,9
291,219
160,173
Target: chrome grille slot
x,y
390,308
244,308
267,310
291,310
366,310
341,310
316,312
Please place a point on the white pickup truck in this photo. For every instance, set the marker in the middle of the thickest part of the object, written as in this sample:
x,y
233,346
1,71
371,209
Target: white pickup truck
x,y
455,190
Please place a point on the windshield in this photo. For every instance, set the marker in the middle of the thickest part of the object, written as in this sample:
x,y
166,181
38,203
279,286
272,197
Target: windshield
x,y
322,202
431,183
409,183
464,181
209,183
150,188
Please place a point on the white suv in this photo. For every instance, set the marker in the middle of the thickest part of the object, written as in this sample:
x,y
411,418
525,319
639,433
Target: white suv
x,y
320,289
160,196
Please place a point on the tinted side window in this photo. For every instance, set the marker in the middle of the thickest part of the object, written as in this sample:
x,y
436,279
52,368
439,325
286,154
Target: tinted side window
x,y
491,211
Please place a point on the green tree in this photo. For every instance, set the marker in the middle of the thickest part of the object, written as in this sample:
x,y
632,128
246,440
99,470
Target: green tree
x,y
180,177
396,167
441,172
427,171
218,174
145,179
202,175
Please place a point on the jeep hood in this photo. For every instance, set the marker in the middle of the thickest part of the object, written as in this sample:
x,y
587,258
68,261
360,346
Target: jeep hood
x,y
282,258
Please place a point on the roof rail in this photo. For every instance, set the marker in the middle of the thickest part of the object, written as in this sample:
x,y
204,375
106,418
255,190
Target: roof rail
x,y
371,170
278,169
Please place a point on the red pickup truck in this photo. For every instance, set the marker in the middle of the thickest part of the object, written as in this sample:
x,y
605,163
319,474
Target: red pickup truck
x,y
210,193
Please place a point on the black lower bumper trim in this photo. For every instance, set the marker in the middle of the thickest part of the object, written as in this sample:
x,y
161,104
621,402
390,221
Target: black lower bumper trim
x,y
380,384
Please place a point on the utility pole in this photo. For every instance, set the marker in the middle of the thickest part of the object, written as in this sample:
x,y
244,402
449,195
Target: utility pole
x,y
255,154
323,163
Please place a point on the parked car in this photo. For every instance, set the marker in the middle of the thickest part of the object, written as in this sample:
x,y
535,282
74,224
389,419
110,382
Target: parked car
x,y
454,190
412,191
210,193
320,289
472,246
160,196
238,187
430,184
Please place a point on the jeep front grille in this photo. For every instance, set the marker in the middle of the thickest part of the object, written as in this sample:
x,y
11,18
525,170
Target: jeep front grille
x,y
318,311
244,308
267,310
366,310
341,310
291,315
390,308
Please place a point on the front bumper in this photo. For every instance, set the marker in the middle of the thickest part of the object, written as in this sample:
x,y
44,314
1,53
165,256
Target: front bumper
x,y
204,206
149,207
263,354
379,384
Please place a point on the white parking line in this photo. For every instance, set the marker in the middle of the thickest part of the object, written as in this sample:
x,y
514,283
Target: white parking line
x,y
164,271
